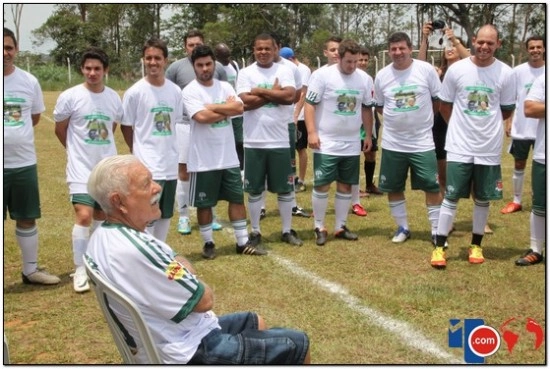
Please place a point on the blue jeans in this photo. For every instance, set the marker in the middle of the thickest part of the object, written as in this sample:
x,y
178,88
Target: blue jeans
x,y
240,342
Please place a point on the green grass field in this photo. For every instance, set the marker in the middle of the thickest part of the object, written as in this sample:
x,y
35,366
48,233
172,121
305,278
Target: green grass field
x,y
364,302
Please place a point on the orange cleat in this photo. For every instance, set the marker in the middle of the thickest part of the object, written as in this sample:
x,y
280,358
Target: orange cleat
x,y
512,207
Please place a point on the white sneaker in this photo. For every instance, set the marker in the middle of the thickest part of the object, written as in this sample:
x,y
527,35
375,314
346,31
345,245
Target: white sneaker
x,y
80,280
401,235
40,276
183,225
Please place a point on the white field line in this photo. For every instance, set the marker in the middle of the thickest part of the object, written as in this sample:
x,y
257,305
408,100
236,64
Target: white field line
x,y
407,334
47,117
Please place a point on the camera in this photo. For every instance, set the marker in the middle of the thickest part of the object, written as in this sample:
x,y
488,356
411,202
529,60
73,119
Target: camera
x,y
438,24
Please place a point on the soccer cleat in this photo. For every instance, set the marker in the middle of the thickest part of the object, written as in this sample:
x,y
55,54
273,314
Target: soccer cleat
x,y
80,279
262,214
439,257
291,238
372,189
209,250
300,212
249,249
183,226
216,226
401,235
320,236
529,258
475,255
359,210
511,207
255,238
345,234
40,276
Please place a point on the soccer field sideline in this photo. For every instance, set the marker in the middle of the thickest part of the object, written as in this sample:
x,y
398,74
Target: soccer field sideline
x,y
361,303
402,330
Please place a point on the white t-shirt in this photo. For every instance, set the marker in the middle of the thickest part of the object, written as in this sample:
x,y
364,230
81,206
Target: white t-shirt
x,y
406,96
538,93
22,98
90,130
524,128
263,127
211,146
338,99
144,269
152,112
288,116
477,94
305,74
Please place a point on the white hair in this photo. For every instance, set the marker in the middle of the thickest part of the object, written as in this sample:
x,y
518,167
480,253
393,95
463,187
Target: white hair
x,y
108,176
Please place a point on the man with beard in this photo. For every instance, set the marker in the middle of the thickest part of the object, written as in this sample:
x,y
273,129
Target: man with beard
x,y
213,163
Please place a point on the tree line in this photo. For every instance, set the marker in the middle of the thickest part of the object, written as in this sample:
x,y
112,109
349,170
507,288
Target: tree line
x,y
121,29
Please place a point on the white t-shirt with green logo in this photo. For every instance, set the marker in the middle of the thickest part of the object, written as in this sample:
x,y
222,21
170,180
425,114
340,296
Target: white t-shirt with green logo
x,y
22,98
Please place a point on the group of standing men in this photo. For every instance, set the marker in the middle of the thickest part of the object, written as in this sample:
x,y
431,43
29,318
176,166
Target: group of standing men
x,y
214,135
185,130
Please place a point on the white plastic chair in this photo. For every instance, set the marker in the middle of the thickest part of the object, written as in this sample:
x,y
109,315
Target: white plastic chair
x,y
6,351
123,340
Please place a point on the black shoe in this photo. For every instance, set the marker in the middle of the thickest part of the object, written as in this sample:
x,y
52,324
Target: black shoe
x,y
262,214
529,258
249,249
291,238
320,236
345,234
299,212
209,250
255,238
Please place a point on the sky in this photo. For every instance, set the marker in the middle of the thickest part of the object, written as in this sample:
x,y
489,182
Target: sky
x,y
32,17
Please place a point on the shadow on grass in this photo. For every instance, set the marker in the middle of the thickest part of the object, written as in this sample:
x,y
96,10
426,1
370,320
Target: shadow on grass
x,y
494,253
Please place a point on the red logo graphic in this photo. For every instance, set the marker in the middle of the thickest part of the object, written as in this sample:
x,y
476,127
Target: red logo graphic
x,y
512,338
484,340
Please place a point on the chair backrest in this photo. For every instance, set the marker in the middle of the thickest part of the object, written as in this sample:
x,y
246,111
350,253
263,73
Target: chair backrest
x,y
124,341
6,351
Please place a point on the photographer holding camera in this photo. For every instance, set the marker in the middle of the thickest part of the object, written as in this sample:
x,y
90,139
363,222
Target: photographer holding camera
x,y
428,29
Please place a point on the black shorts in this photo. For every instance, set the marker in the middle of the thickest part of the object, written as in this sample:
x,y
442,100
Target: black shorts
x,y
301,135
439,131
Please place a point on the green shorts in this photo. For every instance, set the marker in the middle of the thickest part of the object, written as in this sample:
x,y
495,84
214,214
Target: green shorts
x,y
292,141
273,164
21,195
520,148
486,181
84,199
237,124
538,183
330,168
394,169
167,197
207,188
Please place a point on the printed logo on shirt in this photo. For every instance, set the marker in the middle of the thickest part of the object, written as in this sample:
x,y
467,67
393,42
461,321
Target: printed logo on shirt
x,y
478,100
405,98
346,102
221,123
268,86
175,270
98,134
12,111
162,121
